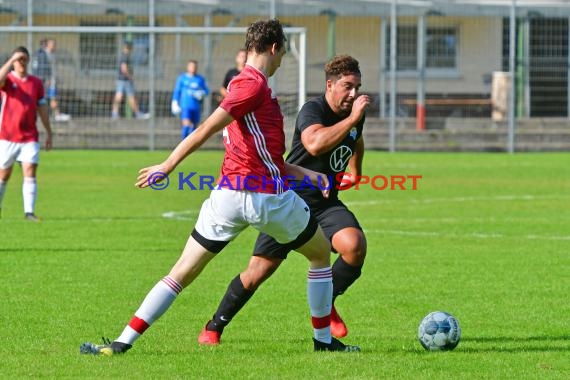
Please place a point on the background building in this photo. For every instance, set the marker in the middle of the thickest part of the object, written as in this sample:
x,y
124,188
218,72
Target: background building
x,y
447,53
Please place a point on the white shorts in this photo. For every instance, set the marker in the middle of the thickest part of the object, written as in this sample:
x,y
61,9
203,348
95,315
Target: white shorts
x,y
228,212
22,152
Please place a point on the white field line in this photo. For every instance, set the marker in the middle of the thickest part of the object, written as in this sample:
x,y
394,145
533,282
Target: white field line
x,y
181,215
192,214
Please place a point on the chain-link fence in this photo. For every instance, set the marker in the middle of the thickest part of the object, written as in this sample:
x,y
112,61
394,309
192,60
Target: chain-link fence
x,y
445,75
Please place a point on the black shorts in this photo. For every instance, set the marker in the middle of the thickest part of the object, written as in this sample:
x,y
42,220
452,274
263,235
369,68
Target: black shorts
x,y
333,218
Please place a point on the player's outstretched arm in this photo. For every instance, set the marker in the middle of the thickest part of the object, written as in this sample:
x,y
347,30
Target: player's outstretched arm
x,y
215,123
44,117
319,180
7,66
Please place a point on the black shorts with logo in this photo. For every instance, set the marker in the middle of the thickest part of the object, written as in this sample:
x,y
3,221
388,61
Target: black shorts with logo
x,y
333,218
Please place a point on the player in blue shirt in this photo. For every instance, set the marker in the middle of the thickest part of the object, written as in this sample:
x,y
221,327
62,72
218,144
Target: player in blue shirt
x,y
189,91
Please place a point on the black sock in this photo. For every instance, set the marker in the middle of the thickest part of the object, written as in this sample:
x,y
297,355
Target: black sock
x,y
343,276
236,296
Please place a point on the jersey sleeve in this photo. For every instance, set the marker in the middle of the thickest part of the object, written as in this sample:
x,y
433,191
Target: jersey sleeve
x,y
245,96
205,87
7,85
176,90
310,114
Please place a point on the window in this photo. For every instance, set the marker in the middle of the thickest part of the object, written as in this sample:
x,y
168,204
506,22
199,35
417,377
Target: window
x,y
441,48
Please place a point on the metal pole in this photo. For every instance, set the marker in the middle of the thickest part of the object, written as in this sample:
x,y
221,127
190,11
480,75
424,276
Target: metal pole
x,y
151,76
272,14
512,93
526,70
208,62
520,68
177,41
302,68
382,69
393,31
568,78
420,85
331,34
30,21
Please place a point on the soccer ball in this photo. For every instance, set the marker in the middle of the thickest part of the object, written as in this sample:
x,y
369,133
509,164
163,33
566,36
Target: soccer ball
x,y
439,331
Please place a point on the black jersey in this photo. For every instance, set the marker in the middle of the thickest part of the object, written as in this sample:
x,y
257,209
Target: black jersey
x,y
317,111
229,76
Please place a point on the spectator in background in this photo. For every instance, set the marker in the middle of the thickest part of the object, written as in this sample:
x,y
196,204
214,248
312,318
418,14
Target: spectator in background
x,y
189,91
240,63
44,67
125,85
22,101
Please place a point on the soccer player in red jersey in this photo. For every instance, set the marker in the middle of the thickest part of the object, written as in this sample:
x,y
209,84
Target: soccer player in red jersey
x,y
327,139
22,99
255,143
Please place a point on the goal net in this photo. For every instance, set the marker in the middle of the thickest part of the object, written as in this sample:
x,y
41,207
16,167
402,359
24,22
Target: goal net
x,y
87,59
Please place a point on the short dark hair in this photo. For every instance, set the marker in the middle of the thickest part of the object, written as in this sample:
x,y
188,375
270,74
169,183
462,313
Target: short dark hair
x,y
341,65
21,49
262,34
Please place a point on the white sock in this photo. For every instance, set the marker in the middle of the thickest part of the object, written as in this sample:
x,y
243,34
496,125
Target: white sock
x,y
29,192
319,294
3,186
156,302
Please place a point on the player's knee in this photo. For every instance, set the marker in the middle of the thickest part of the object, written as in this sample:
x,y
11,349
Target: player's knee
x,y
352,248
354,257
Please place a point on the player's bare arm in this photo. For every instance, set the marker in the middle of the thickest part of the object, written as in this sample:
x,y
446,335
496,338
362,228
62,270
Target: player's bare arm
x,y
319,180
5,69
44,117
319,139
213,124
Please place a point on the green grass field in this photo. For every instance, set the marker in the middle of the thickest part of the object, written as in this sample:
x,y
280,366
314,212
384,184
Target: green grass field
x,y
485,237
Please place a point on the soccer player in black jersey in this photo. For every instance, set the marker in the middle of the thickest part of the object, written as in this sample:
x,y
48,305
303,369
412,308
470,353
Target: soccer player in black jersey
x,y
327,139
234,71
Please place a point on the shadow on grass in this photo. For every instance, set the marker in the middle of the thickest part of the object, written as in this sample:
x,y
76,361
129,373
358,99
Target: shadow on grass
x,y
534,343
518,339
507,344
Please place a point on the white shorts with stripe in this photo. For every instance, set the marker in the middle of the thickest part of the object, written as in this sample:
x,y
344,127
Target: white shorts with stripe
x,y
10,152
228,212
